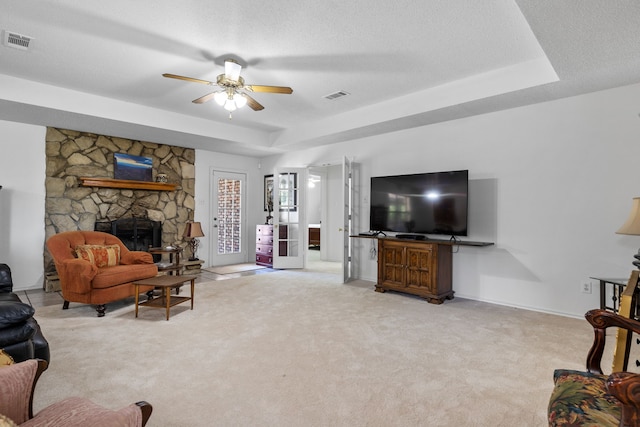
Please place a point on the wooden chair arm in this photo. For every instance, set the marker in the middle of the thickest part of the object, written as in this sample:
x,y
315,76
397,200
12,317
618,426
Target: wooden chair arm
x,y
146,410
42,366
625,386
601,320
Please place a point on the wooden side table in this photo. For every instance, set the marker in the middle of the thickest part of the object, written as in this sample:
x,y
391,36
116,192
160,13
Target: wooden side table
x,y
165,283
613,285
173,266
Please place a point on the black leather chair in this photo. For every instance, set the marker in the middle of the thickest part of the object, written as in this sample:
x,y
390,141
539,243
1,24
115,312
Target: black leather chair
x,y
20,334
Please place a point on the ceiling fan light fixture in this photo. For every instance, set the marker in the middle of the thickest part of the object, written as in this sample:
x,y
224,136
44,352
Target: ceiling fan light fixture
x,y
220,97
230,105
240,100
232,95
232,70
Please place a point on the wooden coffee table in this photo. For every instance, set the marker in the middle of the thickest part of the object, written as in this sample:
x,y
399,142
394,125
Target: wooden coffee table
x,y
165,283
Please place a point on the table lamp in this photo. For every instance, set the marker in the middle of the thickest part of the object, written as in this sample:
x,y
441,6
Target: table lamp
x,y
632,226
191,232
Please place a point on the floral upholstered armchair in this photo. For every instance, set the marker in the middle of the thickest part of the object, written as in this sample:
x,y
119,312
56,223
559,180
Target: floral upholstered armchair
x,y
97,268
592,398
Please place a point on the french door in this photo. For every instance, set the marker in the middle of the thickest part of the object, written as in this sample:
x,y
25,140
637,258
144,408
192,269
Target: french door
x,y
228,224
289,218
347,197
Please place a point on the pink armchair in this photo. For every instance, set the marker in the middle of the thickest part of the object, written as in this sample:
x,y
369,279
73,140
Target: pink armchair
x,y
97,268
17,383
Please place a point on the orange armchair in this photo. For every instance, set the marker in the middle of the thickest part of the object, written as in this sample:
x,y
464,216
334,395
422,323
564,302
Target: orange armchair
x,y
97,268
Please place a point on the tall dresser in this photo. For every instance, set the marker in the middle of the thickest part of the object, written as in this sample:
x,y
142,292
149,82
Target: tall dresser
x,y
264,245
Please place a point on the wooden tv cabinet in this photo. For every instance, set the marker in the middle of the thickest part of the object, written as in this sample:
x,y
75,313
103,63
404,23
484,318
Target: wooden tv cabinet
x,y
418,267
422,268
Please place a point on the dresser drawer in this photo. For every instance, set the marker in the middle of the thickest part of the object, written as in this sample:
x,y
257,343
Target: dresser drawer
x,y
264,249
264,260
264,230
264,240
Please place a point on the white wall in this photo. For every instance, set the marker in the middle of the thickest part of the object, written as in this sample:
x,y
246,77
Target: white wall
x,y
549,184
206,163
22,199
22,176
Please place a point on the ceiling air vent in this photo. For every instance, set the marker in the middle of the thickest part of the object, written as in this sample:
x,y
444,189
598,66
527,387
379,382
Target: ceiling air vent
x,y
15,40
336,95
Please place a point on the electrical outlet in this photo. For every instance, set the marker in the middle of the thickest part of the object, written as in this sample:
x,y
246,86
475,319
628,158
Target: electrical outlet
x,y
586,288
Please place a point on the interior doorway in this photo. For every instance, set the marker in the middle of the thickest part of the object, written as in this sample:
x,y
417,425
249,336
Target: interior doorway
x,y
322,194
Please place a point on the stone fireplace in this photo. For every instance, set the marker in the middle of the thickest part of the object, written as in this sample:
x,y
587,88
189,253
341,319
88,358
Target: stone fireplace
x,y
137,234
70,205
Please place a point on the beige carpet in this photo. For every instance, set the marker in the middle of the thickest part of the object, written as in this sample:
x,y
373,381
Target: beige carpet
x,y
236,268
292,348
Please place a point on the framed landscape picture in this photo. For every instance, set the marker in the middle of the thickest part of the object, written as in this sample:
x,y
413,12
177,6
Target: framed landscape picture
x,y
135,168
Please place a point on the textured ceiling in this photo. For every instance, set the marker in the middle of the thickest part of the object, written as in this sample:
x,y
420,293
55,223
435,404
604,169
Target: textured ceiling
x,y
97,66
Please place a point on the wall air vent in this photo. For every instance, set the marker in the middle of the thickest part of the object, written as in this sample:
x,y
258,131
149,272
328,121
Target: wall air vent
x,y
15,40
336,95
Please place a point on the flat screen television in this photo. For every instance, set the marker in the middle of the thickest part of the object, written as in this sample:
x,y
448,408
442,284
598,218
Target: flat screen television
x,y
424,203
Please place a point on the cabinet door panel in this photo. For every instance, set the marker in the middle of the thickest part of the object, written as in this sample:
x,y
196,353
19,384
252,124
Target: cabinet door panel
x,y
393,267
420,267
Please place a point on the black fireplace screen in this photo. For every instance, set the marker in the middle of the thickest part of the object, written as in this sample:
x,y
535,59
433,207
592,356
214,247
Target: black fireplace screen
x,y
137,234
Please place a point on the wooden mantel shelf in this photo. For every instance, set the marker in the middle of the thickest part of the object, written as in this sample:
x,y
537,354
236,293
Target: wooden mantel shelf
x,y
126,183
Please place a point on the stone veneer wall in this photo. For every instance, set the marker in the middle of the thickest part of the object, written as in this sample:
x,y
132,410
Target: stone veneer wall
x,y
69,206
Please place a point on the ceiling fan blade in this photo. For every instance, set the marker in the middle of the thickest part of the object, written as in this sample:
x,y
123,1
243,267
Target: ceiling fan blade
x,y
205,98
255,105
269,89
189,79
232,70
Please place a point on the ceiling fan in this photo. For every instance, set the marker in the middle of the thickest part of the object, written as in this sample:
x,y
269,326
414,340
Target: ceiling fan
x,y
233,89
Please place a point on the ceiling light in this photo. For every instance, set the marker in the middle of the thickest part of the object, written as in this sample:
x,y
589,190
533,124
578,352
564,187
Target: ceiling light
x,y
230,99
220,97
232,69
240,100
230,105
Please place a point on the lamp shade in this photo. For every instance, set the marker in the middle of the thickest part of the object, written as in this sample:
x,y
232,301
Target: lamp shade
x,y
240,100
632,226
230,105
220,97
193,230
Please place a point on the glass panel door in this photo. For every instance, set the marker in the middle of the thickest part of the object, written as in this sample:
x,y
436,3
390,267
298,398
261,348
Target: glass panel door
x,y
228,219
346,220
289,218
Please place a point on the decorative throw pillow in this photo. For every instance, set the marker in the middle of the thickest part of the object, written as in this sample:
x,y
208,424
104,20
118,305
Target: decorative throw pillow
x,y
16,383
99,255
5,359
6,422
